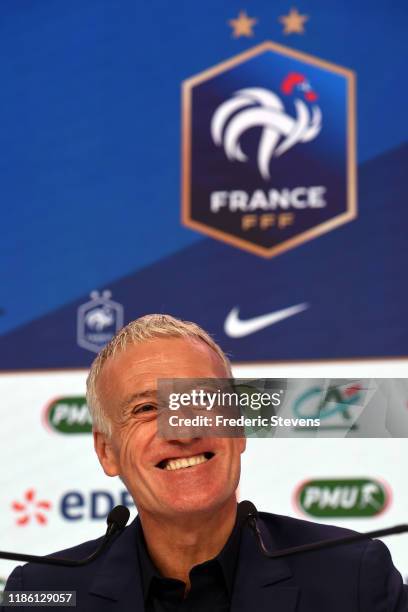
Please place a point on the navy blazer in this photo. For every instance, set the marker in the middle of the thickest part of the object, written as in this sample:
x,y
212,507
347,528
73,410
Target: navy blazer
x,y
350,578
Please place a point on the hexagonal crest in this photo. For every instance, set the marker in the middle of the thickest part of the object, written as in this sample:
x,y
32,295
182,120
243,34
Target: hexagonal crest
x,y
268,149
98,321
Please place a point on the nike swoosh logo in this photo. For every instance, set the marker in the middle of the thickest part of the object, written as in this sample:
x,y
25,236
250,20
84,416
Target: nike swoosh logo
x,y
234,327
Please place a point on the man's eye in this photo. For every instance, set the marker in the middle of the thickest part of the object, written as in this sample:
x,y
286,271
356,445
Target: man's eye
x,y
143,409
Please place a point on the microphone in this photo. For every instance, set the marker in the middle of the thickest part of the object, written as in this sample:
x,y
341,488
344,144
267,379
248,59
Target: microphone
x,y
116,520
247,512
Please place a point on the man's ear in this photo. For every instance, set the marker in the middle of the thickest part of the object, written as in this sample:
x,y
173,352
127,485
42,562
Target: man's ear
x,y
242,444
106,454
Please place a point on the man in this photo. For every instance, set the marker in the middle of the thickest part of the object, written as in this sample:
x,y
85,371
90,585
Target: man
x,y
187,550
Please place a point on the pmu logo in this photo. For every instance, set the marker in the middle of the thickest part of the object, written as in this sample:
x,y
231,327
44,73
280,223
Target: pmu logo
x,y
269,149
68,415
342,498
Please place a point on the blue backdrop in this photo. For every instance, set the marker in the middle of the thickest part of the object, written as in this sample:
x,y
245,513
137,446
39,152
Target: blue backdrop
x,y
90,181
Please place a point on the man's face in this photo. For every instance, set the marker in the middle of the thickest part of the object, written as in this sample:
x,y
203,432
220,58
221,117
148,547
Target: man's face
x,y
127,388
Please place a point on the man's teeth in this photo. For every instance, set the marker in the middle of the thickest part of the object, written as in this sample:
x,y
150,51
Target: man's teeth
x,y
177,464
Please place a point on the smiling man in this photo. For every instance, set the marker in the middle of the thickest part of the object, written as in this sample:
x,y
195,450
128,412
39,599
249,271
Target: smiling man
x,y
189,549
184,489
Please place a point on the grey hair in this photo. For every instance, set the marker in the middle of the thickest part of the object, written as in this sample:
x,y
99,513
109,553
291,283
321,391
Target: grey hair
x,y
138,331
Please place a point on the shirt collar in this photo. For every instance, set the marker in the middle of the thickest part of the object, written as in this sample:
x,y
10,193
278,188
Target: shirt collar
x,y
226,559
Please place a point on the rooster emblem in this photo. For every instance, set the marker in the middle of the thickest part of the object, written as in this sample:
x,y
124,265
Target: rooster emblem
x,y
259,107
99,318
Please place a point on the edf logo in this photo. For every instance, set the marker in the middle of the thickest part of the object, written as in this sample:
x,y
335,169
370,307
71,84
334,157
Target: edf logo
x,y
74,505
269,149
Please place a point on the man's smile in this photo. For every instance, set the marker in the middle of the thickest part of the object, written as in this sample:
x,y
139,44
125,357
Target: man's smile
x,y
178,463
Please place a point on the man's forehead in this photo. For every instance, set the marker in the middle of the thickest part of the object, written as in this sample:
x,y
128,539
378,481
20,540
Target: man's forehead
x,y
164,350
143,363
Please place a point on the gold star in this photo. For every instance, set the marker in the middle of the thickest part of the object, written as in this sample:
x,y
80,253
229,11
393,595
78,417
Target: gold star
x,y
294,22
242,25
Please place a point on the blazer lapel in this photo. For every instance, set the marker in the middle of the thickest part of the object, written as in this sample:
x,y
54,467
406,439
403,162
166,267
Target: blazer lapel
x,y
118,578
262,584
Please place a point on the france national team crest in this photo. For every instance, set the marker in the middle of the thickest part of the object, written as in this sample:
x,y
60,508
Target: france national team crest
x,y
98,321
269,149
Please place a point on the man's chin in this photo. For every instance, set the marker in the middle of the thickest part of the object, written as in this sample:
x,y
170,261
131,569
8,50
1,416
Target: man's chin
x,y
200,503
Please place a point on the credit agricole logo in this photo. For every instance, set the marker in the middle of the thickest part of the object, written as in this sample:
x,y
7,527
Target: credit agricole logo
x,y
342,497
68,415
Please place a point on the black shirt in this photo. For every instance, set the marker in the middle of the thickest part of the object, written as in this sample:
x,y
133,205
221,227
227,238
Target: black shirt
x,y
211,582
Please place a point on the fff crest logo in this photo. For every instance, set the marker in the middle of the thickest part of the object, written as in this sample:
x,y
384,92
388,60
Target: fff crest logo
x,y
269,149
98,321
